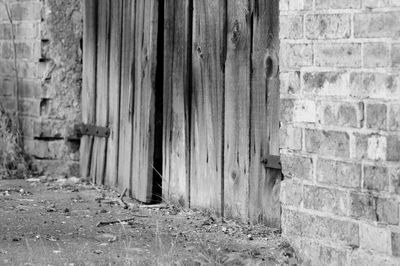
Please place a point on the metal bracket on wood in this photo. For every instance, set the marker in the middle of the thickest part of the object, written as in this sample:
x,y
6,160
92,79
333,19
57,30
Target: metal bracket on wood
x,y
90,130
272,162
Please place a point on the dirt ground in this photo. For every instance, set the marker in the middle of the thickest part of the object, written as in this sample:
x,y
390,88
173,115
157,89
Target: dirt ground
x,y
59,222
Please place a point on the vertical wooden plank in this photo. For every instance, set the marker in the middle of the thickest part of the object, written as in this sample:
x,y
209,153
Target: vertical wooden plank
x,y
146,27
114,93
176,102
100,144
126,99
88,81
264,184
237,109
207,103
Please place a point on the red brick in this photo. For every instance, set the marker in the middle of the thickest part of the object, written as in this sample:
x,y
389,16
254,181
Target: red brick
x,y
376,55
376,116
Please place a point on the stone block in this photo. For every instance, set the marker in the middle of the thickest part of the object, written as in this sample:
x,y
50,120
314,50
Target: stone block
x,y
396,55
373,85
376,116
290,138
30,108
286,110
376,55
326,200
395,244
26,11
338,55
332,143
377,25
327,26
326,83
295,55
290,5
337,4
388,211
361,146
30,88
374,238
394,176
316,253
289,82
294,166
363,206
304,111
342,114
377,147
295,223
291,193
7,86
393,148
380,3
362,257
338,173
394,117
291,27
376,178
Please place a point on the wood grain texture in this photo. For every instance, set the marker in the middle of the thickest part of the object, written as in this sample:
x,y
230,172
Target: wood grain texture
x,y
127,94
146,27
208,55
88,81
176,102
114,93
103,48
264,184
237,110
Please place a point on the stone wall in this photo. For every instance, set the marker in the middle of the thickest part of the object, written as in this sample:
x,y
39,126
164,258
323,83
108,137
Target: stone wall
x,y
48,35
340,141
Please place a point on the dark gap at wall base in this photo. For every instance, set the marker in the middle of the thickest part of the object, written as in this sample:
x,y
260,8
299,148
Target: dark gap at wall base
x,y
158,116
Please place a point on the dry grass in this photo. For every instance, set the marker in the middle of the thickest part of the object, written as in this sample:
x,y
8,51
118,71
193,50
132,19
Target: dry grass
x,y
13,162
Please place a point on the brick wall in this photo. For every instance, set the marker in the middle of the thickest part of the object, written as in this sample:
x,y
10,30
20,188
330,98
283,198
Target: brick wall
x,y
48,35
340,144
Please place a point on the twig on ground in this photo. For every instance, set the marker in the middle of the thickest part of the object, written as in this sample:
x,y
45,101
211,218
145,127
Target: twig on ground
x,y
99,224
121,200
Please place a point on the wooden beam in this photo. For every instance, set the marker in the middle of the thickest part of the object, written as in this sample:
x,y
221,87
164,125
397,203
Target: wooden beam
x,y
114,93
127,94
176,144
208,55
103,48
88,81
146,30
237,110
264,184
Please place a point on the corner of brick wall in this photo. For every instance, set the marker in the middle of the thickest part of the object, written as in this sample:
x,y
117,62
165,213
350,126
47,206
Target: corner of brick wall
x,y
340,130
48,40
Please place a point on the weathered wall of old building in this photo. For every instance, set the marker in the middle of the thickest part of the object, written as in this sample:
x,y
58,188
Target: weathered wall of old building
x,y
340,141
48,36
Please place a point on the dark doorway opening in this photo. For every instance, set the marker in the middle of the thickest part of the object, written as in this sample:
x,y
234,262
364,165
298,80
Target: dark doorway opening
x,y
158,115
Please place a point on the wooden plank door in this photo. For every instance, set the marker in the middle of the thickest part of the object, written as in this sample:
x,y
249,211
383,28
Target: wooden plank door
x,y
177,55
208,55
264,140
119,88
